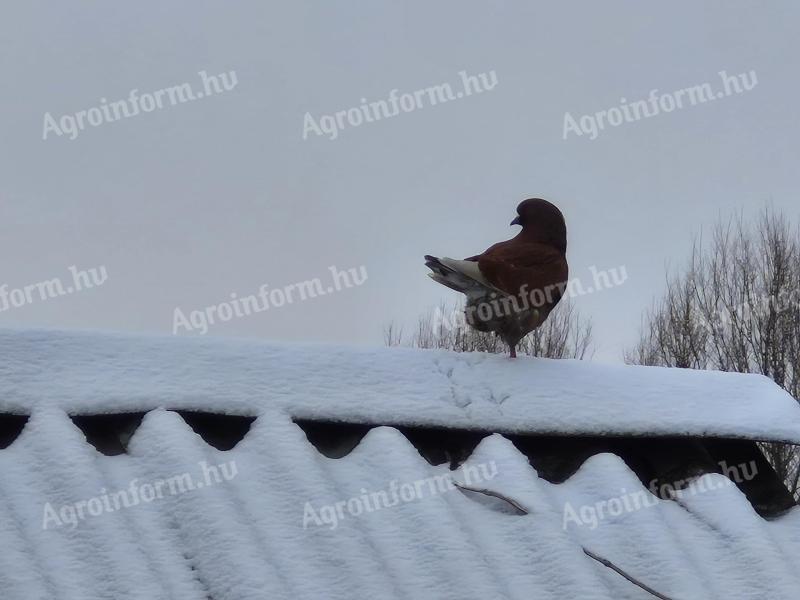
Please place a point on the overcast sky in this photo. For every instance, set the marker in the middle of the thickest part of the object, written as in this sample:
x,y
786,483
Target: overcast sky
x,y
187,204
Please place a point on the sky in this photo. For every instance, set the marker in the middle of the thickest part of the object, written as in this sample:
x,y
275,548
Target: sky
x,y
184,205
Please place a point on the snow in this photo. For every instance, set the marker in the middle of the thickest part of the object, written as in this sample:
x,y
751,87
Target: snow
x,y
90,373
244,538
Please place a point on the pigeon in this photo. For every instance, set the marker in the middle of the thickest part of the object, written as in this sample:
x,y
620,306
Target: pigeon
x,y
512,287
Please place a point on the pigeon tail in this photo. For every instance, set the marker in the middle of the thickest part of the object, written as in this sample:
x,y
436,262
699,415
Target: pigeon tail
x,y
460,275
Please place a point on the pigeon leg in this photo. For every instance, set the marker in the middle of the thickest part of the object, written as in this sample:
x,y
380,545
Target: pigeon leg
x,y
513,352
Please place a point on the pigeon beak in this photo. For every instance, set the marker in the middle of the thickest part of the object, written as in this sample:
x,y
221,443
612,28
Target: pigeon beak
x,y
516,221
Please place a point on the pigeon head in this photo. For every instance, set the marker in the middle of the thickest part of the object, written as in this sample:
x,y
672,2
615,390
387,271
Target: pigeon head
x,y
541,221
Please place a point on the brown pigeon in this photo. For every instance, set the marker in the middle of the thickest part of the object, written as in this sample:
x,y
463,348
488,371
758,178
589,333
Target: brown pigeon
x,y
512,287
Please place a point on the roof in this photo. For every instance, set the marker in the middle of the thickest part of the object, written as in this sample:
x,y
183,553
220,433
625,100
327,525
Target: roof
x,y
241,534
89,373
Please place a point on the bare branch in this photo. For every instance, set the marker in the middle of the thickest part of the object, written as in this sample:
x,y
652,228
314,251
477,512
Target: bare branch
x,y
521,509
735,306
633,580
565,334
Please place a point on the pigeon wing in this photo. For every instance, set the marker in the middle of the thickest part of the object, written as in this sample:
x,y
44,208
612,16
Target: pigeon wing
x,y
511,265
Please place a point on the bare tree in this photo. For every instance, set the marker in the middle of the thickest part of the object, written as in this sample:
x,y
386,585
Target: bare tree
x,y
565,334
735,307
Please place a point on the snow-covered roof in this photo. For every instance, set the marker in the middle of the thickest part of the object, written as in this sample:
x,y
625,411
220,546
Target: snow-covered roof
x,y
268,527
89,373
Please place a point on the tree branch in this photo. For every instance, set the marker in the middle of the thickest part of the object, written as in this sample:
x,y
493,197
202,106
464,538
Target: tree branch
x,y
589,553
493,494
633,580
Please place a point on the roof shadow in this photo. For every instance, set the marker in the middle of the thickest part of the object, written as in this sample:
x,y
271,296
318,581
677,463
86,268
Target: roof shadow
x,y
333,439
662,464
11,427
223,432
109,434
437,445
744,463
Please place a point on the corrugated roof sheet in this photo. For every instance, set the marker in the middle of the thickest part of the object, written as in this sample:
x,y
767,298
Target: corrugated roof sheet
x,y
241,535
